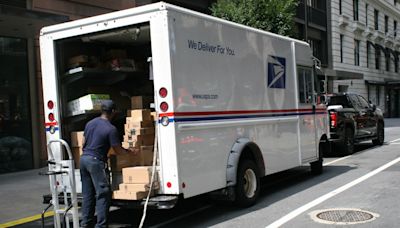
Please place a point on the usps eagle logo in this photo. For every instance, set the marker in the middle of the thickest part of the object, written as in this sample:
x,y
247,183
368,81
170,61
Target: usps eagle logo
x,y
276,72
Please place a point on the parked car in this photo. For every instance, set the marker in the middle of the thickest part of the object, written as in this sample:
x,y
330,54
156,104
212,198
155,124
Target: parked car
x,y
352,119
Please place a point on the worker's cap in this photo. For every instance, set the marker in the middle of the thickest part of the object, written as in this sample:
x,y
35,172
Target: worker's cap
x,y
107,105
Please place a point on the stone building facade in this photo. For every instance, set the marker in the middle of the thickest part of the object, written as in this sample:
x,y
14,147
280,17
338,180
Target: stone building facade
x,y
364,51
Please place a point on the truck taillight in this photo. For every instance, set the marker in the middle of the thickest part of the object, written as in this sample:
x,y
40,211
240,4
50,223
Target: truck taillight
x,y
333,119
50,104
164,106
51,117
163,92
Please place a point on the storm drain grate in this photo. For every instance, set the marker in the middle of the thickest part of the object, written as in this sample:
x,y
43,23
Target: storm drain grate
x,y
343,216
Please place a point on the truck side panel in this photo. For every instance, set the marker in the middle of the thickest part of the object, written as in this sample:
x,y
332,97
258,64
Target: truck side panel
x,y
162,68
229,83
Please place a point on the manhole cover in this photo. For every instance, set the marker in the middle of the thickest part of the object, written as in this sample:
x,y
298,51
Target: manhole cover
x,y
343,216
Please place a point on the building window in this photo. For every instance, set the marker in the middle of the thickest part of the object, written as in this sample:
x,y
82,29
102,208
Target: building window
x,y
377,58
341,48
357,52
340,7
15,115
376,17
377,95
395,28
386,24
387,60
317,48
355,10
396,63
368,51
366,14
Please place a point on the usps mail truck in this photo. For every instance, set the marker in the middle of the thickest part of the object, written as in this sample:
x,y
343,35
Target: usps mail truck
x,y
232,103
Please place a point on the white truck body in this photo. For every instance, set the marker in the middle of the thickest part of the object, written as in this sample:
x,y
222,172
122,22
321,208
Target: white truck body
x,y
228,85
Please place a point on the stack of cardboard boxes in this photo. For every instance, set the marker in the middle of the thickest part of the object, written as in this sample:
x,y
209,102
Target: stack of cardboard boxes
x,y
135,183
139,135
131,172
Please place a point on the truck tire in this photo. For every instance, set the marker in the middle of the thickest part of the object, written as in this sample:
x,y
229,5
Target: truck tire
x,y
317,166
348,142
247,187
380,138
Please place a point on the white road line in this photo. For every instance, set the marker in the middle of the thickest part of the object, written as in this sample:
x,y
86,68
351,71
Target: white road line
x,y
395,140
329,195
181,217
395,143
339,159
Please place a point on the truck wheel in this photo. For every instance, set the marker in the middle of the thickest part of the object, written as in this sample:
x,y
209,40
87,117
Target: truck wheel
x,y
380,135
348,142
248,184
317,166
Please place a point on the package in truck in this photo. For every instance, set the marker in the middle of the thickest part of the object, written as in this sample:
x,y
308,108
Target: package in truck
x,y
90,102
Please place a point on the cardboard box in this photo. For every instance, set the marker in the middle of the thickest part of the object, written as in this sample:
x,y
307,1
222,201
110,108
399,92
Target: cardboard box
x,y
77,139
86,103
141,124
147,152
130,195
153,115
134,187
138,140
138,187
138,115
137,175
116,179
139,131
121,161
76,154
141,102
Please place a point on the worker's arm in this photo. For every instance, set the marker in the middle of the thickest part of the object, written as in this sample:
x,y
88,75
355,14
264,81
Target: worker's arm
x,y
116,144
120,150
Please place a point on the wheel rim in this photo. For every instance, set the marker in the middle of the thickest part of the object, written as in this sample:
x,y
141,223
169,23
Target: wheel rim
x,y
250,183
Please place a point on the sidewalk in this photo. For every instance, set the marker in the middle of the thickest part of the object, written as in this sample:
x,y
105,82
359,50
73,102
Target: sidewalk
x,y
21,194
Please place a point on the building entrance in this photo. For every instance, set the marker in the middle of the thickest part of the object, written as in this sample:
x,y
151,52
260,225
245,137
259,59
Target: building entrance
x,y
393,102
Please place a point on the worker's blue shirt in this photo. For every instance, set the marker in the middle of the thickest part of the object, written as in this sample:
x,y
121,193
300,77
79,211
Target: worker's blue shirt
x,y
99,135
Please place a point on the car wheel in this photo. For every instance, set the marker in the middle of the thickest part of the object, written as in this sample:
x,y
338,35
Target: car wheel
x,y
247,184
348,142
380,135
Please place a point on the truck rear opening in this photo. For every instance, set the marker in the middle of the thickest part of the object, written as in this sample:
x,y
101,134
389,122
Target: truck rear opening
x,y
113,62
106,65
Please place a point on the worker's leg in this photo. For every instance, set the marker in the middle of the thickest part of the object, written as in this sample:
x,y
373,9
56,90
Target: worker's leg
x,y
88,192
103,192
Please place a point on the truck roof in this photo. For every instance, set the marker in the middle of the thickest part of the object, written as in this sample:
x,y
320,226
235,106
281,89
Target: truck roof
x,y
160,6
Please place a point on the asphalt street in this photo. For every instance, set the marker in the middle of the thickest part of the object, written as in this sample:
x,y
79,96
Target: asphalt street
x,y
367,180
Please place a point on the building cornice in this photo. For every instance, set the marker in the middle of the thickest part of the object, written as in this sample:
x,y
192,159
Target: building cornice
x,y
386,6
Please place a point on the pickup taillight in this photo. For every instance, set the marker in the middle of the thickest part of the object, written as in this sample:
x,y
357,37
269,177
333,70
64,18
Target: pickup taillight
x,y
333,119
